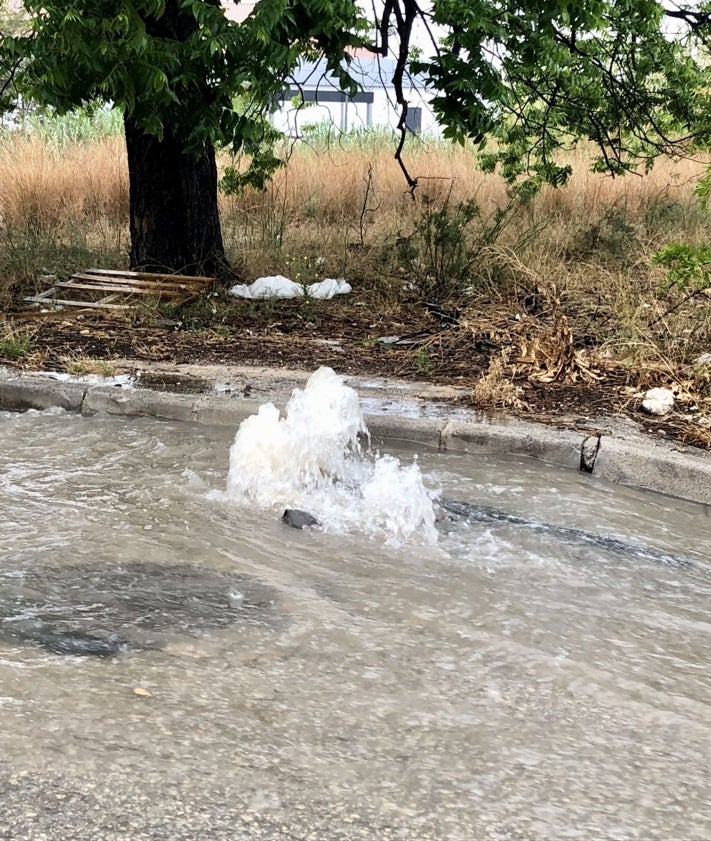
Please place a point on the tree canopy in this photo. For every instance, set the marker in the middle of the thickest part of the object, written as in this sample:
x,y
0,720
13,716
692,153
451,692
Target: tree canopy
x,y
180,64
521,78
526,79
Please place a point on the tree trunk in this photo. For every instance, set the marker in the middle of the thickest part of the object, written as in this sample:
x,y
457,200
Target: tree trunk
x,y
173,213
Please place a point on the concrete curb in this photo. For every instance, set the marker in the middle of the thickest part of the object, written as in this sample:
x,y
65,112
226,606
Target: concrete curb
x,y
155,404
561,447
396,428
217,410
650,465
637,461
18,394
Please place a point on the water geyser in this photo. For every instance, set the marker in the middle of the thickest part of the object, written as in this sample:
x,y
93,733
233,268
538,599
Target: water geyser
x,y
316,457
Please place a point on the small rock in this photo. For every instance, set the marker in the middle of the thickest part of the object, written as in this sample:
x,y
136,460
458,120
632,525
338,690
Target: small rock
x,y
298,519
658,401
704,359
235,599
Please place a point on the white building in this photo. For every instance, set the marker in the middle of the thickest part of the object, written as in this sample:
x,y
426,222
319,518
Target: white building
x,y
314,97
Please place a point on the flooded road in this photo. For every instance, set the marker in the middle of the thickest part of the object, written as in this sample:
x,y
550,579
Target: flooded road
x,y
271,683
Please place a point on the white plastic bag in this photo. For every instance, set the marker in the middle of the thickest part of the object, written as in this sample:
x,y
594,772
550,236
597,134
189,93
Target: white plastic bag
x,y
278,286
329,287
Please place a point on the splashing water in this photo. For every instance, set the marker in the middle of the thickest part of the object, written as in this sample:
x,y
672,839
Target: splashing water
x,y
313,458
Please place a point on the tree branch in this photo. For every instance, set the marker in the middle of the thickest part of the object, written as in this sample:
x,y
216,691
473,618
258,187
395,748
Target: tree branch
x,y
696,21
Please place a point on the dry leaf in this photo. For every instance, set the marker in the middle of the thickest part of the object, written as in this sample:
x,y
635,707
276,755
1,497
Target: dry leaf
x,y
144,693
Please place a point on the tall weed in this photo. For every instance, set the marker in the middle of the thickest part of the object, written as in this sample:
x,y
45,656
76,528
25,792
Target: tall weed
x,y
440,255
83,125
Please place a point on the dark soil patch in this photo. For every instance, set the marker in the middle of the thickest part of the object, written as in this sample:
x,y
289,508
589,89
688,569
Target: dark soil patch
x,y
346,335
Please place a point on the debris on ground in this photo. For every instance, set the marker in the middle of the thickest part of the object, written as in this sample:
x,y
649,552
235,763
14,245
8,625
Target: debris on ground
x,y
278,286
658,401
105,289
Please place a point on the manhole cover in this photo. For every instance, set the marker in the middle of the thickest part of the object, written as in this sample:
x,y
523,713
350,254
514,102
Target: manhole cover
x,y
103,610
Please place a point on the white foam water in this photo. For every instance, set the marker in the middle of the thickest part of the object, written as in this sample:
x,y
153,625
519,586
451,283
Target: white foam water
x,y
316,458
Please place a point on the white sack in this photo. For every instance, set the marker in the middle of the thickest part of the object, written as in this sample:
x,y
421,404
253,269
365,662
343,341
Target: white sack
x,y
276,286
279,286
328,288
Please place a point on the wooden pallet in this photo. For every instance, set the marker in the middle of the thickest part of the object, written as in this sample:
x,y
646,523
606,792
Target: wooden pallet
x,y
105,289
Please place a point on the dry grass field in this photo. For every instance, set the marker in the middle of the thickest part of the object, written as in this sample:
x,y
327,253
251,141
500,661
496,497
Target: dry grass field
x,y
559,284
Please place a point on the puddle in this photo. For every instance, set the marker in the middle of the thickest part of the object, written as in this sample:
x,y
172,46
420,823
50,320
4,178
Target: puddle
x,y
107,609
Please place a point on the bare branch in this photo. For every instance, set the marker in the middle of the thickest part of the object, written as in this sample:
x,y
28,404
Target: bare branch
x,y
696,21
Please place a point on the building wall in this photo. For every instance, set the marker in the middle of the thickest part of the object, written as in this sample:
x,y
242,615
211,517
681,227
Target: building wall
x,y
313,97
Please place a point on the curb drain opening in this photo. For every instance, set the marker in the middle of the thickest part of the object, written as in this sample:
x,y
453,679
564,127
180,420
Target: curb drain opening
x,y
588,453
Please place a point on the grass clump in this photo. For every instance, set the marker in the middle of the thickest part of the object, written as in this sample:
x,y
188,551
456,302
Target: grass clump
x,y
15,342
63,206
79,366
496,388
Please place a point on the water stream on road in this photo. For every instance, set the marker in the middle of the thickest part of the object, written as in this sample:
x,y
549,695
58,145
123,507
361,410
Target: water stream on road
x,y
499,683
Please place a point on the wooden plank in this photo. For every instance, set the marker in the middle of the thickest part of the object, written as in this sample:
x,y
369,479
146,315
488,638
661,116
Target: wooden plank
x,y
179,278
128,282
114,285
157,276
120,278
58,302
25,315
126,290
48,293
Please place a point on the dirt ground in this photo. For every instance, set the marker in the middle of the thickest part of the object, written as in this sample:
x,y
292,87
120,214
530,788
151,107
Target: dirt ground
x,y
353,339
